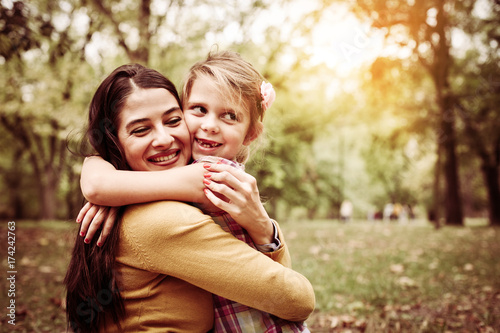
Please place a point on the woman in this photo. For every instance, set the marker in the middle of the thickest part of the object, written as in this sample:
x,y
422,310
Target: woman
x,y
158,272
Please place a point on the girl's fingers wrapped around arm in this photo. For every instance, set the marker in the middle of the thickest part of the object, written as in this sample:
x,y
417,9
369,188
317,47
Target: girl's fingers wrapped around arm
x,y
85,217
108,225
242,200
92,221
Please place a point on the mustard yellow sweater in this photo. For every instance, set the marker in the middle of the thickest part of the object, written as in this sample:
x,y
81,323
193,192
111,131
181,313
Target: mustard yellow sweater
x,y
171,258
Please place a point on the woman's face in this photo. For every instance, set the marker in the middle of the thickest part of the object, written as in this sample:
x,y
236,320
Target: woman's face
x,y
217,127
152,131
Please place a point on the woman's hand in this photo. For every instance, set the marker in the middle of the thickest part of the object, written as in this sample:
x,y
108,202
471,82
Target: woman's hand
x,y
92,217
236,192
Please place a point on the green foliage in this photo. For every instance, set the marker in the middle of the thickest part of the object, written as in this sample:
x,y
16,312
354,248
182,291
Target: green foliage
x,y
329,136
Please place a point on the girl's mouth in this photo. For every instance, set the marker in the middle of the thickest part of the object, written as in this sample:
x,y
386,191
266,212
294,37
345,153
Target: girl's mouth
x,y
208,144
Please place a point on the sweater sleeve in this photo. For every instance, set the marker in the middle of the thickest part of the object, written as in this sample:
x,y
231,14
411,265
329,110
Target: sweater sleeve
x,y
282,255
176,239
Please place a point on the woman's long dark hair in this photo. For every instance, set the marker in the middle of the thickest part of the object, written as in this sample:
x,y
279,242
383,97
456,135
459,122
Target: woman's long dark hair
x,y
91,283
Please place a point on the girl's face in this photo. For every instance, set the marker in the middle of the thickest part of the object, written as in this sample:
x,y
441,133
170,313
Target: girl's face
x,y
152,131
217,127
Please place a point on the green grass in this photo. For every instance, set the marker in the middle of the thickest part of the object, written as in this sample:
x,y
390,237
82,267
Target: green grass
x,y
371,277
390,277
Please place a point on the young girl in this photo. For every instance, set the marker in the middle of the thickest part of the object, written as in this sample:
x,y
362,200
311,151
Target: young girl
x,y
224,100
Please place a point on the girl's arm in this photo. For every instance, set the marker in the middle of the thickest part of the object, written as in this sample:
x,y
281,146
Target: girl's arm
x,y
107,188
103,185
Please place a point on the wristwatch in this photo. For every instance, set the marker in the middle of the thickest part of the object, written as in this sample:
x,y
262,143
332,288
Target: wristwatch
x,y
271,247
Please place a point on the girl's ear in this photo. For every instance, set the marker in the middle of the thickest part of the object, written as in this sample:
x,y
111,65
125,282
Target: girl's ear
x,y
254,133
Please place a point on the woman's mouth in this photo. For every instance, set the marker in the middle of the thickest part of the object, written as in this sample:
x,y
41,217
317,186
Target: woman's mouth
x,y
159,158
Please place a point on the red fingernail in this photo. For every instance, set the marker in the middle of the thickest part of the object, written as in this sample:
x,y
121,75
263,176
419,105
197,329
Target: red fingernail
x,y
207,165
82,234
78,220
206,181
99,244
207,175
86,241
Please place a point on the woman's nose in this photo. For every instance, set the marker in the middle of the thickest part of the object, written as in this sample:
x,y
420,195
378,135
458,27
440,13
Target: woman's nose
x,y
162,138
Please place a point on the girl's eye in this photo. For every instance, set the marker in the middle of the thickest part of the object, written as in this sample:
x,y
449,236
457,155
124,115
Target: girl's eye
x,y
231,116
199,110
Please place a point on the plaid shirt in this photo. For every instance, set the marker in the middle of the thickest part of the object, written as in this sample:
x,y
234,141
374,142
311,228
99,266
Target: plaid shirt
x,y
234,317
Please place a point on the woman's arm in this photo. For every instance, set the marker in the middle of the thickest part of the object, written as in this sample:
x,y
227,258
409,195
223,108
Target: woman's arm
x,y
178,240
103,185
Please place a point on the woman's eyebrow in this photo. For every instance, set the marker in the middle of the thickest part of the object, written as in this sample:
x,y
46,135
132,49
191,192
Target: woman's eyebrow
x,y
141,120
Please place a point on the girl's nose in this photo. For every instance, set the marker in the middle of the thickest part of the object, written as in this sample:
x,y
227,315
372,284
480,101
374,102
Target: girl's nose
x,y
209,125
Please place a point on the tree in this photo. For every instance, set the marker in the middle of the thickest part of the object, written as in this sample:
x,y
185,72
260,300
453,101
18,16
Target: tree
x,y
477,107
36,127
50,73
424,28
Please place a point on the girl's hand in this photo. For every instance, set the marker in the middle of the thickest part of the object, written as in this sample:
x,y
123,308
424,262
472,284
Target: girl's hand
x,y
92,217
236,192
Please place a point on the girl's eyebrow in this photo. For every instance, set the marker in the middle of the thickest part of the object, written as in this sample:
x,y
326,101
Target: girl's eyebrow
x,y
141,120
194,102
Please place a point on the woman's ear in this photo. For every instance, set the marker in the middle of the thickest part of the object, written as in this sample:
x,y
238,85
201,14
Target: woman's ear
x,y
254,133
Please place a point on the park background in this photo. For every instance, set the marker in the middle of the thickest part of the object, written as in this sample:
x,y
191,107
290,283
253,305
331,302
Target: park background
x,y
377,102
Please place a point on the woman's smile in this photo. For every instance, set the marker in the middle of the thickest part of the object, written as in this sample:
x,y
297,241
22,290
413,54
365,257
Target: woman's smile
x,y
152,131
165,157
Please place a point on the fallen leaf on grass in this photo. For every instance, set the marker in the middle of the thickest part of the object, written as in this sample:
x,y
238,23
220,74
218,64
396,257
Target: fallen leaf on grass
x,y
56,301
434,264
325,257
334,322
43,242
347,320
397,268
487,289
405,281
468,267
314,250
355,306
25,261
405,308
45,269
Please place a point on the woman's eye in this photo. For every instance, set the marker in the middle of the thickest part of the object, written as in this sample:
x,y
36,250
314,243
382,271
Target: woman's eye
x,y
173,121
139,131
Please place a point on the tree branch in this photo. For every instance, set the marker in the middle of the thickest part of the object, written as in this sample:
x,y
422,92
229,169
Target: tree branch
x,y
116,25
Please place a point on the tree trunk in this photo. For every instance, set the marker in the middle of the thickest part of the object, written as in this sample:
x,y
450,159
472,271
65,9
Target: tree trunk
x,y
48,192
453,202
273,208
489,164
490,174
435,213
439,72
13,182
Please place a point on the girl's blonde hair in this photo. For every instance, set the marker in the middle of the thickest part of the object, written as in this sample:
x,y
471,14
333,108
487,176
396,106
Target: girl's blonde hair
x,y
238,81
